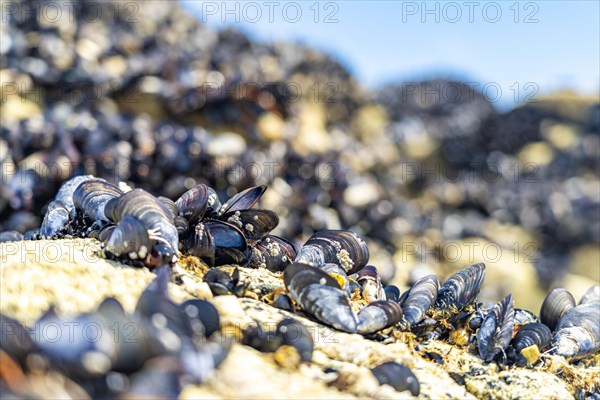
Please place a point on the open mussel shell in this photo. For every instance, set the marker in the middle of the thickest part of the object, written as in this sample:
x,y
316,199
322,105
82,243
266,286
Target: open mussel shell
x,y
592,295
531,334
319,295
255,224
294,333
10,236
419,298
273,252
398,376
91,197
129,238
192,204
342,247
230,244
243,200
496,330
578,331
201,244
461,288
55,221
370,282
378,315
555,305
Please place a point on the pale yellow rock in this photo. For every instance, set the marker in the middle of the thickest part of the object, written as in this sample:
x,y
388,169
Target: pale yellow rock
x,y
585,261
312,137
16,107
561,136
270,126
247,373
536,153
69,274
370,122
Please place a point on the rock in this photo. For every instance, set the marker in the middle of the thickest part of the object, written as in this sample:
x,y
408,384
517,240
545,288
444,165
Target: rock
x,y
71,275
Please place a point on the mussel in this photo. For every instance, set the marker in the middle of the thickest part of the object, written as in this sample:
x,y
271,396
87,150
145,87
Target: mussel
x,y
129,238
203,316
157,220
55,220
230,244
398,376
66,191
193,204
392,293
555,305
62,208
378,315
320,295
266,341
496,330
273,252
255,224
283,302
342,247
578,332
72,353
222,283
294,333
10,236
528,343
243,200
461,288
419,298
591,295
92,195
370,282
339,274
201,244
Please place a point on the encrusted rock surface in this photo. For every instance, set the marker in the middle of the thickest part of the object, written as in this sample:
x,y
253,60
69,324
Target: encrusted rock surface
x,y
72,275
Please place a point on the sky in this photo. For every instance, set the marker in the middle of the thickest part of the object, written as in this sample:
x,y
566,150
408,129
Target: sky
x,y
510,50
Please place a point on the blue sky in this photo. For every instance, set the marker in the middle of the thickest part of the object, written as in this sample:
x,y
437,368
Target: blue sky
x,y
517,47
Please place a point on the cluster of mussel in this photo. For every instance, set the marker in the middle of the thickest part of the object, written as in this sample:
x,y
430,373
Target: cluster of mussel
x,y
152,352
143,230
328,273
327,278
